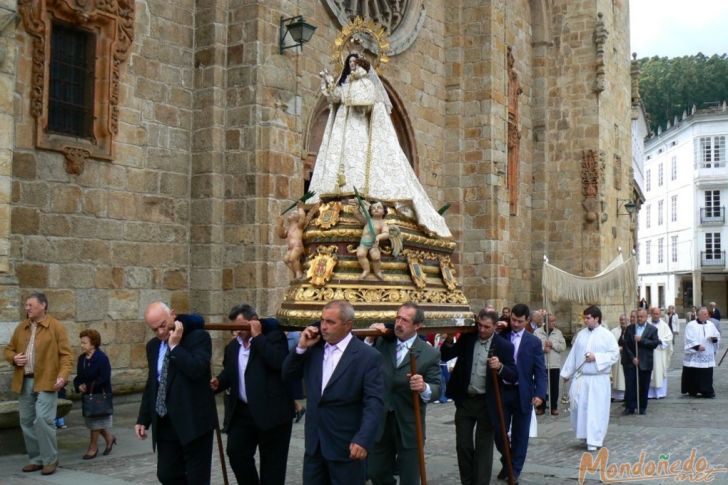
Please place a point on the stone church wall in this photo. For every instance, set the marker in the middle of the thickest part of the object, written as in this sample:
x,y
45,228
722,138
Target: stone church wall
x,y
213,143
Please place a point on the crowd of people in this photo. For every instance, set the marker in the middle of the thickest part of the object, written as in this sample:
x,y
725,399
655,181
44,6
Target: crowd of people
x,y
363,397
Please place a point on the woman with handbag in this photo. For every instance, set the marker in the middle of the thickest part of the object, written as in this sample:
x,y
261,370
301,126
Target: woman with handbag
x,y
93,379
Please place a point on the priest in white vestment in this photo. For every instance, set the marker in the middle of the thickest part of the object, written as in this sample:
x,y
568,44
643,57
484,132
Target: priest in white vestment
x,y
589,363
618,382
701,339
661,357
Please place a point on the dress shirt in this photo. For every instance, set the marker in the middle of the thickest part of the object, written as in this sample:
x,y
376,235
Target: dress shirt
x,y
639,329
243,357
30,350
402,349
480,366
332,356
163,347
516,341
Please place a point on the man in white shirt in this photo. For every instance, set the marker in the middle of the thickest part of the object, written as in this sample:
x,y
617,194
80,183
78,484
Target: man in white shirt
x,y
344,391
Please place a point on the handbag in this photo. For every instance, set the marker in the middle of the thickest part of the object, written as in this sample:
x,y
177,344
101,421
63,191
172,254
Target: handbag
x,y
97,405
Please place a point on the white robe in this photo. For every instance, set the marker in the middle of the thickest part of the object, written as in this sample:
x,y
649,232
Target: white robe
x,y
618,382
697,334
590,391
661,361
360,149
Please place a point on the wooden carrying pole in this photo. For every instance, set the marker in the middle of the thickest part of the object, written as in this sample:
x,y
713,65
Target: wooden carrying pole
x,y
418,424
358,332
503,429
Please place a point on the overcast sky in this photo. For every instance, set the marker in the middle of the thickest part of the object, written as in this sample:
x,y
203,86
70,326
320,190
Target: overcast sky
x,y
674,28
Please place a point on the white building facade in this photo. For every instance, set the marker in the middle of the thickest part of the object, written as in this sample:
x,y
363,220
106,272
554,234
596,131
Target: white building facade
x,y
682,224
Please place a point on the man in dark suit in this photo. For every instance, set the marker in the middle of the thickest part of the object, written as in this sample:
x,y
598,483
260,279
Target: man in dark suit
x,y
638,345
344,389
177,402
471,386
396,445
529,390
260,407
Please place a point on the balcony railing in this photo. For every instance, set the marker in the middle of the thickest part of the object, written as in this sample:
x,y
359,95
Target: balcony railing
x,y
712,258
712,215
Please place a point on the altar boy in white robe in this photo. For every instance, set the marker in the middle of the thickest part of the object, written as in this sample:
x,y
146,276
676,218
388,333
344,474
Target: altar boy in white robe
x,y
661,357
590,361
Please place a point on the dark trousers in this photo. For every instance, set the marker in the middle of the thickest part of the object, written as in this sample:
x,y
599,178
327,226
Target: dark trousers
x,y
244,436
475,457
179,464
317,470
520,424
388,454
630,387
553,395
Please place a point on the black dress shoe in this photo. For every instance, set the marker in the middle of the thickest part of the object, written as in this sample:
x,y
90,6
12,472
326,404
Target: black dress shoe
x,y
503,474
627,412
643,411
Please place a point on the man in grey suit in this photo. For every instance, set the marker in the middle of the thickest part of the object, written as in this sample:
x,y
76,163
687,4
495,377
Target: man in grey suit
x,y
344,388
396,445
638,344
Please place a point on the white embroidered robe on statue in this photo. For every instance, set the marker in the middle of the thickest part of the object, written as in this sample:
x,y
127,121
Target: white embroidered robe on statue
x,y
661,361
360,149
590,390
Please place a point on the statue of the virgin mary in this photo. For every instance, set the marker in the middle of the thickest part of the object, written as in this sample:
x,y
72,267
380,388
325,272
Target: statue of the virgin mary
x,y
360,149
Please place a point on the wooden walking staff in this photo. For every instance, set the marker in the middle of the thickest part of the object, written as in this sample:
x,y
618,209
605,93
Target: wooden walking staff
x,y
220,450
502,423
418,424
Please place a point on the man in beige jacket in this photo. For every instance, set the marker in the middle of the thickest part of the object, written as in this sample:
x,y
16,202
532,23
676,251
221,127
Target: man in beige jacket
x,y
553,344
41,356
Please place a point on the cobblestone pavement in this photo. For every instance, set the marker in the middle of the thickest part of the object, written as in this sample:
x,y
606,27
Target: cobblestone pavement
x,y
673,426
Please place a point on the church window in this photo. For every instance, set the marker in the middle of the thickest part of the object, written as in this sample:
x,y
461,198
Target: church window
x,y
70,94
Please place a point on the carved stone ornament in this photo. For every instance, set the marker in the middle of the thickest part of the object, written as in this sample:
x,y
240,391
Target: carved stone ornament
x,y
600,39
402,19
112,22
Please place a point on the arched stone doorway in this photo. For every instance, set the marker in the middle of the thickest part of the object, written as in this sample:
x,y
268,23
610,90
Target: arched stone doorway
x,y
317,124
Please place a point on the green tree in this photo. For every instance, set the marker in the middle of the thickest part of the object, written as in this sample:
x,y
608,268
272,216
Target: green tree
x,y
670,86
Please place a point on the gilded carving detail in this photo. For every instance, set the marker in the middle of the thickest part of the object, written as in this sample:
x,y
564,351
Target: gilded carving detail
x,y
375,295
321,266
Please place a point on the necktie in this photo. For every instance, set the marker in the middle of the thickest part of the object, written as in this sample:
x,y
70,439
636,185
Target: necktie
x,y
401,352
329,365
161,404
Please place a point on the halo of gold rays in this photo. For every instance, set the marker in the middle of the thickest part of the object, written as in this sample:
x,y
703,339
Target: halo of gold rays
x,y
360,26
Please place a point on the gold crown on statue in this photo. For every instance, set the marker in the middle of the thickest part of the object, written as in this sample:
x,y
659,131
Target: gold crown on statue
x,y
365,38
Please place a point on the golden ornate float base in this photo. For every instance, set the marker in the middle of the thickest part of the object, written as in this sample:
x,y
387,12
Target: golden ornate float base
x,y
423,272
